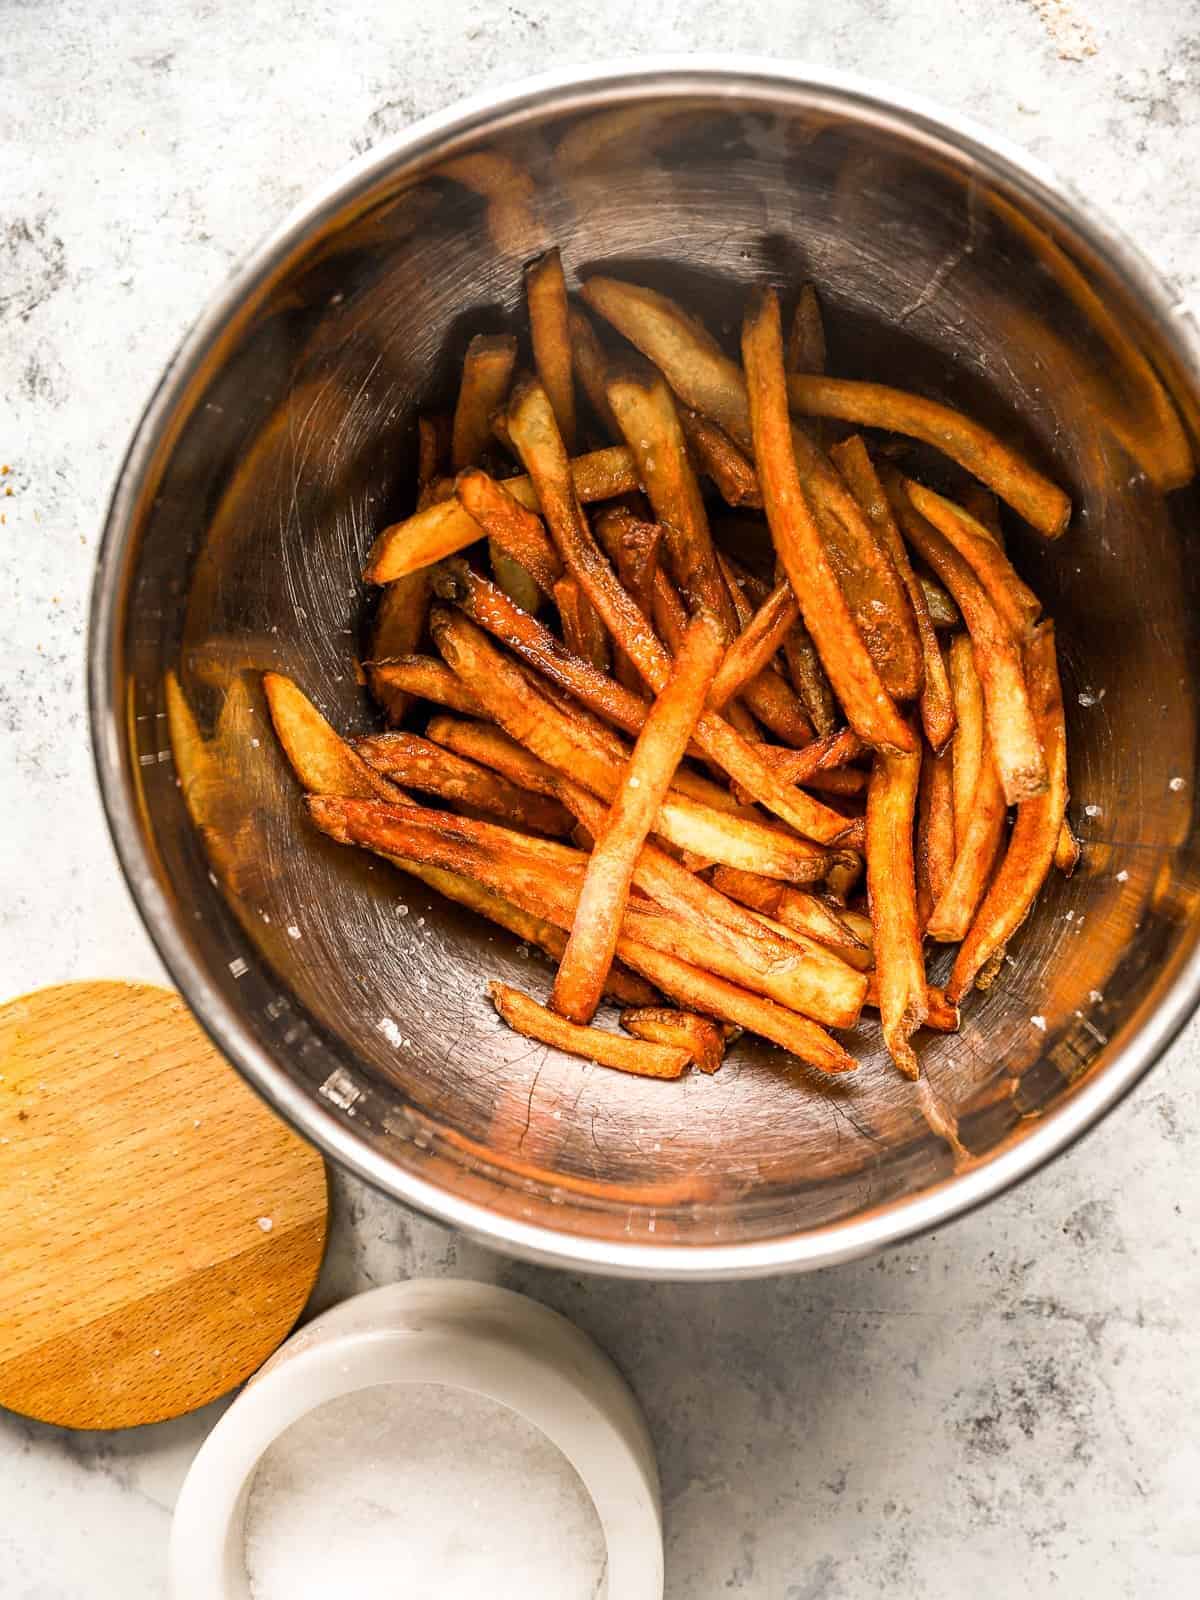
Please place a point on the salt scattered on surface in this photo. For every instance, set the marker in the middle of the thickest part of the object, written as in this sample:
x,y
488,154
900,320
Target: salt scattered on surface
x,y
1176,784
1087,698
265,1223
1039,1023
293,931
1122,876
421,1491
390,1032
1091,811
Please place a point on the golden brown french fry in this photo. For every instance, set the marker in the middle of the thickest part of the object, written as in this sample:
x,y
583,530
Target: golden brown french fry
x,y
644,785
891,892
1015,744
970,737
809,680
399,624
417,763
546,294
983,505
487,373
716,455
975,856
427,678
990,971
590,360
534,1021
685,1030
840,780
445,527
799,911
583,632
632,545
806,335
320,758
760,640
532,425
1067,851
1012,598
941,1017
509,524
1035,833
943,613
645,410
822,755
853,462
935,830
868,706
670,618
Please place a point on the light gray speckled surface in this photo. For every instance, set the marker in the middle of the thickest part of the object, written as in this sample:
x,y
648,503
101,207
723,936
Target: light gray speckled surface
x,y
1008,1408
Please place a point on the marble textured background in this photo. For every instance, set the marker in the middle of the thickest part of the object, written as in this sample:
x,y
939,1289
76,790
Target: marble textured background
x,y
1008,1407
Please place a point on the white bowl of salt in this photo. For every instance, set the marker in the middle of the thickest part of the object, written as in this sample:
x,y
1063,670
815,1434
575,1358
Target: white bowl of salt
x,y
426,1441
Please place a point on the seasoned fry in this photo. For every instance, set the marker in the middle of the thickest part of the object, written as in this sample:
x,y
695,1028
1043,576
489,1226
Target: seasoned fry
x,y
583,632
1035,833
428,678
685,1030
644,785
1014,600
417,763
975,856
546,294
869,707
645,1060
399,624
935,830
719,458
1067,851
510,525
541,449
809,680
645,410
853,462
444,528
1015,744
590,361
806,335
970,738
891,891
487,373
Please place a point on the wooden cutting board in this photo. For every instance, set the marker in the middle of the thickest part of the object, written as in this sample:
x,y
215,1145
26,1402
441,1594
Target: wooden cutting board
x,y
162,1229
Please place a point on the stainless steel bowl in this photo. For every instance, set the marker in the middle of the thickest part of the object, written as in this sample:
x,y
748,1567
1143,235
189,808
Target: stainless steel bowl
x,y
283,434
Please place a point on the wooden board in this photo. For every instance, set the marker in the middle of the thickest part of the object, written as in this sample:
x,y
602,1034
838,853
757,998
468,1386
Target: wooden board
x,y
161,1227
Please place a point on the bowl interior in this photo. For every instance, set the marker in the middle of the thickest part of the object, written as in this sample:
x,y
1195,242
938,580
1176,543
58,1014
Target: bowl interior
x,y
355,997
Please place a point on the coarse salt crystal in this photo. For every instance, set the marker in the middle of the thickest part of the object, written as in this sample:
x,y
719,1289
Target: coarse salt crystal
x,y
1091,811
293,931
265,1223
1095,996
1176,784
1122,876
1039,1023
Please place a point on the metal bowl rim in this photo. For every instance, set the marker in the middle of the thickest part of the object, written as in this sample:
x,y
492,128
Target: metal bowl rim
x,y
747,79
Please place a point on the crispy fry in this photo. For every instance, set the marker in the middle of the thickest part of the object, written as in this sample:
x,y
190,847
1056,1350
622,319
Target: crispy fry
x,y
809,679
510,525
891,890
800,911
822,755
660,747
417,763
645,1060
806,335
399,624
487,373
444,528
685,1030
943,613
645,410
970,736
975,856
717,456
983,505
320,758
935,830
1015,744
542,451
546,294
853,462
1067,851
670,618
753,650
632,545
590,360
1035,833
827,617
583,632
428,678
1014,600
941,1017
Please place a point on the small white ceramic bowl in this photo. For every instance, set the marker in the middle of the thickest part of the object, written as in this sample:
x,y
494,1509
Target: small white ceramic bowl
x,y
468,1336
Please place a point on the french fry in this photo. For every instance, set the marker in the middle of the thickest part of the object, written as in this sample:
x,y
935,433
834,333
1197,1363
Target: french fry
x,y
822,755
487,373
844,655
935,830
659,749
943,613
970,736
806,334
433,450
534,1021
840,780
716,455
546,295
399,624
417,763
799,911
941,1017
532,425
427,678
753,650
1015,744
509,524
685,1030
1035,833
583,632
1012,598
444,528
891,891
1067,851
590,360
975,856
853,462
632,545
983,505
670,619
809,679
645,411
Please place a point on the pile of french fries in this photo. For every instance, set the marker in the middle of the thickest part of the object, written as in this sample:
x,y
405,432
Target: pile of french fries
x,y
762,797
